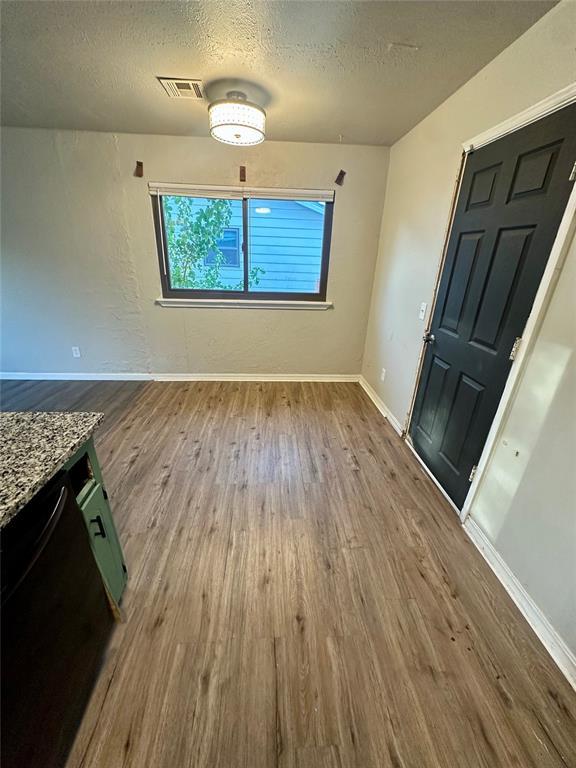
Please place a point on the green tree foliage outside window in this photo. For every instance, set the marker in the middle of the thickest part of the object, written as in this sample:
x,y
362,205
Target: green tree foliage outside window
x,y
191,235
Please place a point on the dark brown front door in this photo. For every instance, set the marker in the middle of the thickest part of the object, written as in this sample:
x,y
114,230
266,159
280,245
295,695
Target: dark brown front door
x,y
512,198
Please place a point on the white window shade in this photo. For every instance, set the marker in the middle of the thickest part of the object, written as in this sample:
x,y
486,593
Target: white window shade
x,y
185,190
232,193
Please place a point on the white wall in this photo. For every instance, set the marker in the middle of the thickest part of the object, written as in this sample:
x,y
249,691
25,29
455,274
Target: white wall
x,y
527,503
421,177
79,264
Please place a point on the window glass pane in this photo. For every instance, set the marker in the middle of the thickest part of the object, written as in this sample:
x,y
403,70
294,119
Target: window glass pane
x,y
285,245
203,241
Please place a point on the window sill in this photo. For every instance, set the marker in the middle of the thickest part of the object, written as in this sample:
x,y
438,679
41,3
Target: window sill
x,y
245,304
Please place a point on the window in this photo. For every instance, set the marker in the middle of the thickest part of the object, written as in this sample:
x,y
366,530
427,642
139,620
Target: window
x,y
238,243
227,248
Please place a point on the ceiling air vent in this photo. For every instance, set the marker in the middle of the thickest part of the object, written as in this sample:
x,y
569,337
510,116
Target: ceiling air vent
x,y
182,88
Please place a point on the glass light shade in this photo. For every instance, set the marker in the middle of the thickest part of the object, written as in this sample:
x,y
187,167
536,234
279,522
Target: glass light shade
x,y
237,122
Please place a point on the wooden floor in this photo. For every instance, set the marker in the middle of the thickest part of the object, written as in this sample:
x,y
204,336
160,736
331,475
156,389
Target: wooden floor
x,y
300,595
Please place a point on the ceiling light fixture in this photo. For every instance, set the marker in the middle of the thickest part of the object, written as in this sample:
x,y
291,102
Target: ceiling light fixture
x,y
234,120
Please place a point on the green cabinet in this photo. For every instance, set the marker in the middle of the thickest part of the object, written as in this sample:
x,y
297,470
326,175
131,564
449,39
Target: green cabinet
x,y
104,540
87,481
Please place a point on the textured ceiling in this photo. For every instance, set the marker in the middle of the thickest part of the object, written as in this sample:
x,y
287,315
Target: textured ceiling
x,y
328,67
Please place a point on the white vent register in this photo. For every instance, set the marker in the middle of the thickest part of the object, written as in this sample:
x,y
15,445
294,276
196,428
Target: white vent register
x,y
182,88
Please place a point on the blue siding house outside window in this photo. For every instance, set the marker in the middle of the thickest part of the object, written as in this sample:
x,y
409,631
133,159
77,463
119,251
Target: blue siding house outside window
x,y
285,242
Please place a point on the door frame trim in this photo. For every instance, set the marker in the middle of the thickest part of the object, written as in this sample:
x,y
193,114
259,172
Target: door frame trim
x,y
556,101
547,106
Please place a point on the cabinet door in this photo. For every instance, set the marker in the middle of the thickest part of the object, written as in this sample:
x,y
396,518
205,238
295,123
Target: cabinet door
x,y
104,541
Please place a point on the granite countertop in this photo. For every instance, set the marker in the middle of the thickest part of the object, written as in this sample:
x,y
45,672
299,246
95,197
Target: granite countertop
x,y
33,447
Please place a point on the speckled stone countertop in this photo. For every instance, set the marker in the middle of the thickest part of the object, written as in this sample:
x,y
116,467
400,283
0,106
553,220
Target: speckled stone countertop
x,y
33,447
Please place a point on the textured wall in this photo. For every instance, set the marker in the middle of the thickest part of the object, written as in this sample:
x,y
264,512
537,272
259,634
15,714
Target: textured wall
x,y
79,263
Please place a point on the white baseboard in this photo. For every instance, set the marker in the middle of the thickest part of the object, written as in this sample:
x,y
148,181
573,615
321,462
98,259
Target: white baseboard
x,y
381,405
550,639
319,377
27,376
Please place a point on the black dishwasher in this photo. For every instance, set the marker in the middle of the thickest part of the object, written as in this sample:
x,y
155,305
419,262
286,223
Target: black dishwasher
x,y
55,626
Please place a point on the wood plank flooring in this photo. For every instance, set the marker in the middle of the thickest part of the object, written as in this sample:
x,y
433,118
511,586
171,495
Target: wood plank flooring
x,y
300,595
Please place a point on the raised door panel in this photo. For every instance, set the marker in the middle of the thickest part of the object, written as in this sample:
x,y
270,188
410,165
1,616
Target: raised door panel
x,y
435,385
483,187
460,422
460,277
534,172
499,286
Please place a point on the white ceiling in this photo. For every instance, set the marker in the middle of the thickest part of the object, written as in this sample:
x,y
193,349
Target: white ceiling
x,y
329,67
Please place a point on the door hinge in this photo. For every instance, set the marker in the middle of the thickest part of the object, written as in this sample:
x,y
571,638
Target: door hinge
x,y
473,473
572,176
515,347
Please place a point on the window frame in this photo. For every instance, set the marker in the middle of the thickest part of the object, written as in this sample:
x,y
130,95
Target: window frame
x,y
158,190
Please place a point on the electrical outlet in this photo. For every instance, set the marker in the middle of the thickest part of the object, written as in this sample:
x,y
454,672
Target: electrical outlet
x,y
382,374
76,352
422,311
